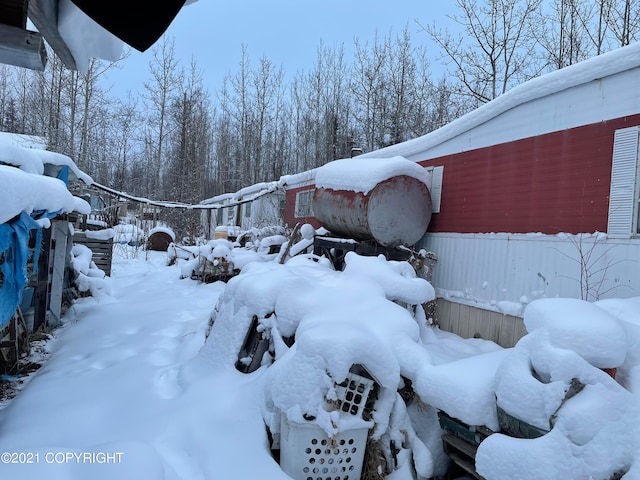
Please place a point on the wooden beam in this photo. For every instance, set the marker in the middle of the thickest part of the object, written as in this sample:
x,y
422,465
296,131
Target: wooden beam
x,y
44,15
22,48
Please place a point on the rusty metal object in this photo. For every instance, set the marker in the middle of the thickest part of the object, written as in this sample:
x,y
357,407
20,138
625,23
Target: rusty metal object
x,y
397,211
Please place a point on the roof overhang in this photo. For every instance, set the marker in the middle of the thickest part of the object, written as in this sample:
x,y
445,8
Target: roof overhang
x,y
137,23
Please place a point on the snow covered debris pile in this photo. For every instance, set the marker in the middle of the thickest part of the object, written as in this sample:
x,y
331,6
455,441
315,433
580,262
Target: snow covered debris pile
x,y
554,384
363,316
464,388
628,311
88,278
128,234
218,259
571,324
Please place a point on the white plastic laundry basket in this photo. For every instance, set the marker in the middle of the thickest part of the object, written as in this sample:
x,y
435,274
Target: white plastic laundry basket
x,y
307,453
353,394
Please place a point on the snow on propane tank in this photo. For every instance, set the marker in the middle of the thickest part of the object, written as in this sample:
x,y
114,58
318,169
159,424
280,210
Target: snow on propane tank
x,y
381,199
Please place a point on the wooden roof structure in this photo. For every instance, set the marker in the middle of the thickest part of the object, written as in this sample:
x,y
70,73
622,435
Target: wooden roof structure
x,y
138,23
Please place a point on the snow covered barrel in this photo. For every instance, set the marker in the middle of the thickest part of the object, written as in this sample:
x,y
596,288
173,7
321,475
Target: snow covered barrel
x,y
381,199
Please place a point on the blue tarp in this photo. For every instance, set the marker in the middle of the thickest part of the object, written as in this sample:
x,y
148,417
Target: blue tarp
x,y
14,255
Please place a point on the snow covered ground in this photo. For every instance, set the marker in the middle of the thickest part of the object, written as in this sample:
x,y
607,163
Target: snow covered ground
x,y
124,381
133,388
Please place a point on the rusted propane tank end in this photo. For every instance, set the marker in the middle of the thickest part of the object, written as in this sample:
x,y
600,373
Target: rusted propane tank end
x,y
397,211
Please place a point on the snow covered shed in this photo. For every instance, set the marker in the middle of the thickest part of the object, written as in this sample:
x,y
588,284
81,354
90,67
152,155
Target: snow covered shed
x,y
535,194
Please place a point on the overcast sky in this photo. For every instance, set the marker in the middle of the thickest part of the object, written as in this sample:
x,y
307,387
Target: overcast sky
x,y
288,32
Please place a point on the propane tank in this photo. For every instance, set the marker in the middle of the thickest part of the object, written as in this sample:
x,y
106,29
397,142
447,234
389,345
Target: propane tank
x,y
386,200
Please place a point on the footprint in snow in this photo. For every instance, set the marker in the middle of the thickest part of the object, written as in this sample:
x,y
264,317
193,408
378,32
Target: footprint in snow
x,y
167,383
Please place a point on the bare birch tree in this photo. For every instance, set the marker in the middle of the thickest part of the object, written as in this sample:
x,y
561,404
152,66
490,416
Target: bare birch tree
x,y
494,53
166,77
624,20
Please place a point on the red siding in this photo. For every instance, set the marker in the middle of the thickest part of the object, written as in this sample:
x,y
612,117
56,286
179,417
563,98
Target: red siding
x,y
290,208
558,182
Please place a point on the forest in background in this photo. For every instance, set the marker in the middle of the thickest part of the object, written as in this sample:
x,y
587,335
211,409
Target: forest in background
x,y
176,140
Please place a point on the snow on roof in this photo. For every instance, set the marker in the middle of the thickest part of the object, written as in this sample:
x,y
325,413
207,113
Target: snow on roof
x,y
363,174
33,160
21,191
245,194
22,140
25,188
299,179
258,188
607,64
85,38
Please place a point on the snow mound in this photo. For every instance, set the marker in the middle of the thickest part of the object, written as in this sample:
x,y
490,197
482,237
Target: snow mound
x,y
554,379
349,174
580,326
45,193
465,388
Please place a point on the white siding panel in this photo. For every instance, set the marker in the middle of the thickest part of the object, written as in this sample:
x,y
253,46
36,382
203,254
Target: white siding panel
x,y
623,196
503,272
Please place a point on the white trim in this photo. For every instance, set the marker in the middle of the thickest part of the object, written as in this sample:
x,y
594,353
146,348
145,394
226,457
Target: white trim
x,y
436,187
623,197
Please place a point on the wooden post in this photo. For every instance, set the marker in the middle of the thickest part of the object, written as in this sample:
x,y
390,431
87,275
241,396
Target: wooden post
x,y
41,294
60,238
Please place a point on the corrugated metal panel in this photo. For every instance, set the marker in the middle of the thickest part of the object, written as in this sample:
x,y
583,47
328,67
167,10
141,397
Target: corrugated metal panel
x,y
623,196
503,271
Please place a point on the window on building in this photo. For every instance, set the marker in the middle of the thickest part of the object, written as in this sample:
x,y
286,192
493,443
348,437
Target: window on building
x,y
304,200
247,210
624,197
